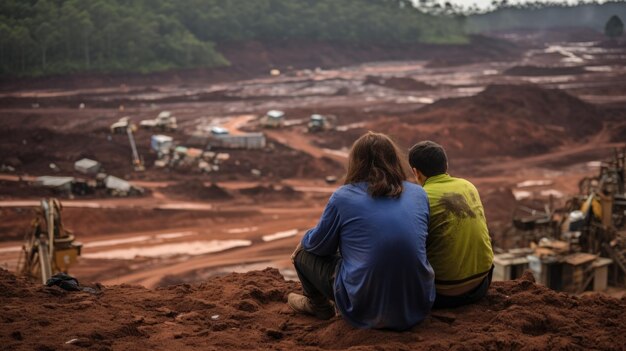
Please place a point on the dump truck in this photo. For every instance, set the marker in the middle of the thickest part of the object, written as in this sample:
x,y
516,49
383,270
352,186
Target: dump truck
x,y
48,247
273,119
320,123
163,122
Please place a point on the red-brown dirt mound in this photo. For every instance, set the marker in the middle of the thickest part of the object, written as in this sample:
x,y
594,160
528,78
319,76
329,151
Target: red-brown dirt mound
x,y
543,71
248,312
271,192
503,120
397,83
196,190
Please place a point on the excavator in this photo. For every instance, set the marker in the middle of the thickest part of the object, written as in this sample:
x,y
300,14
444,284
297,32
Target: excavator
x,y
137,161
125,125
48,247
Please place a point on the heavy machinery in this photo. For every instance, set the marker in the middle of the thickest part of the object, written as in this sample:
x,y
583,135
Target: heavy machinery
x,y
164,122
121,126
137,160
48,247
125,126
320,123
273,119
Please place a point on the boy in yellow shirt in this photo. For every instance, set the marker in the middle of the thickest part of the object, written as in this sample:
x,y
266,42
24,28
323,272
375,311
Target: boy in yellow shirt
x,y
458,246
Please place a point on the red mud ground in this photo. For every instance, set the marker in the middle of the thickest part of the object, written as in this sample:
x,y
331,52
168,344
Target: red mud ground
x,y
511,120
251,313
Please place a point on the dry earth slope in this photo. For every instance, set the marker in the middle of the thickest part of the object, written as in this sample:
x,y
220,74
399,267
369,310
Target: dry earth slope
x,y
248,311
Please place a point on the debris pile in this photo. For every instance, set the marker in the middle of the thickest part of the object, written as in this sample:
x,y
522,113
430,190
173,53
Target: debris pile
x,y
197,190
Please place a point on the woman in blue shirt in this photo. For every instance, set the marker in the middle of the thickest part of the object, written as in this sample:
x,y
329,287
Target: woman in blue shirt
x,y
368,251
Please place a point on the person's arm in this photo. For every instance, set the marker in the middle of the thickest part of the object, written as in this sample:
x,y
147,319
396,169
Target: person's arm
x,y
323,239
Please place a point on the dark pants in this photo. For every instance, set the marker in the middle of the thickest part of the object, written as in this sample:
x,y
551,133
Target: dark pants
x,y
317,275
443,301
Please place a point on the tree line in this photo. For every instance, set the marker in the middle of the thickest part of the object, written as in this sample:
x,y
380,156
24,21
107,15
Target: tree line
x,y
39,37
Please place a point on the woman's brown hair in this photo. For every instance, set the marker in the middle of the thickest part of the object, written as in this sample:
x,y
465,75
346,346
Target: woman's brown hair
x,y
375,159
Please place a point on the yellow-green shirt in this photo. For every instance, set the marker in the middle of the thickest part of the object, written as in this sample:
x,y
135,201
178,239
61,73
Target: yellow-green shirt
x,y
458,244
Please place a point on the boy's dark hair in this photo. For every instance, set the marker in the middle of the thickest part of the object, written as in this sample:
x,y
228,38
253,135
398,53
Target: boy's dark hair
x,y
429,158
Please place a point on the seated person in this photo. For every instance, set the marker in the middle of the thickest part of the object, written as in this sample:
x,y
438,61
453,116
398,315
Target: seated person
x,y
458,245
378,224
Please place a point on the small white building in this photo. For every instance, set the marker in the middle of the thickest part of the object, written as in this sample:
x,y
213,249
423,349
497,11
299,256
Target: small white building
x,y
161,143
87,166
120,187
60,184
240,141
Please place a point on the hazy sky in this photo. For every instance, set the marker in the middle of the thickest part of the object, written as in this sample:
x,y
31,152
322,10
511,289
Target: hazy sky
x,y
487,3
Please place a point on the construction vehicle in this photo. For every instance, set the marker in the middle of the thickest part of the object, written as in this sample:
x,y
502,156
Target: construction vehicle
x,y
121,126
48,247
273,119
164,122
137,160
320,123
125,126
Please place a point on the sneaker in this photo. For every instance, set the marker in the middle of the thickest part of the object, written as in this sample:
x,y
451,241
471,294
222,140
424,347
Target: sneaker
x,y
303,304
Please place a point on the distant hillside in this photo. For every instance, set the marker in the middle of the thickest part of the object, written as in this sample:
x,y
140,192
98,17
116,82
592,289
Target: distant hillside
x,y
532,16
43,37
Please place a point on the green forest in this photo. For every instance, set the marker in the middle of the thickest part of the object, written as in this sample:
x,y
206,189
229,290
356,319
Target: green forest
x,y
42,37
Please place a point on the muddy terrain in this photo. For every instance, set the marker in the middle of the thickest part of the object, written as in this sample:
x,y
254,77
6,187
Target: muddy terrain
x,y
529,123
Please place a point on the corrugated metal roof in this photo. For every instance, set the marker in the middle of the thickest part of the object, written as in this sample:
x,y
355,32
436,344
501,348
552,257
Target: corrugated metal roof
x,y
115,183
86,163
54,182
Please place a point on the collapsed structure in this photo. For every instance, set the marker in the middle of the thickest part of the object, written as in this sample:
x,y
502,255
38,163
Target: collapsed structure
x,y
581,246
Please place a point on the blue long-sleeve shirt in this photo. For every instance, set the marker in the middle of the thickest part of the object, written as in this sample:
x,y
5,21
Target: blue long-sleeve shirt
x,y
384,279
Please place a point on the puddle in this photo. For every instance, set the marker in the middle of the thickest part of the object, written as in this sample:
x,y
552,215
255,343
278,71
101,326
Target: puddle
x,y
521,194
280,235
192,248
350,126
340,153
552,192
196,207
174,235
529,183
113,242
241,230
136,239
10,249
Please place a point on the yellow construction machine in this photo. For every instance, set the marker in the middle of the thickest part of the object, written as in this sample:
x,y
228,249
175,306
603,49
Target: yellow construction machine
x,y
48,247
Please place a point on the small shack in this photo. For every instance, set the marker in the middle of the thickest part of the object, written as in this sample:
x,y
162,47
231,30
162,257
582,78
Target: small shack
x,y
240,141
510,265
87,166
58,184
161,143
120,187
